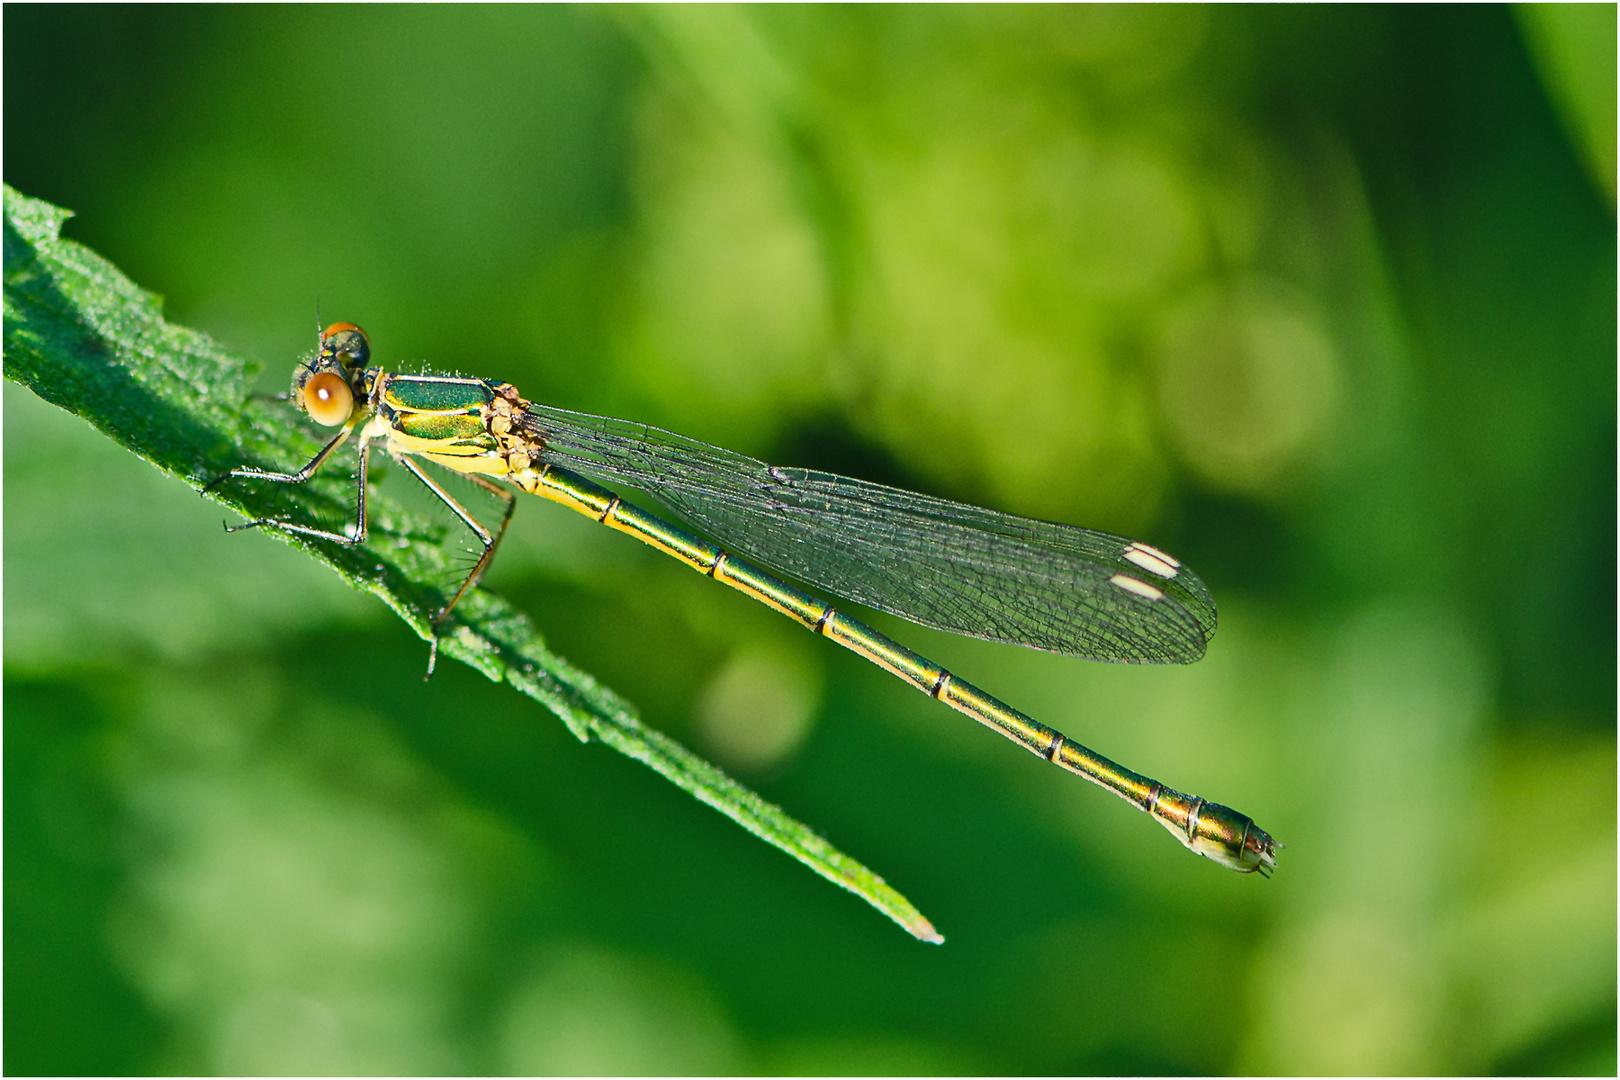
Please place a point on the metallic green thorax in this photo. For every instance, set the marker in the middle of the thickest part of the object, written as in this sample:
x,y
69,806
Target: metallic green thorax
x,y
440,418
436,394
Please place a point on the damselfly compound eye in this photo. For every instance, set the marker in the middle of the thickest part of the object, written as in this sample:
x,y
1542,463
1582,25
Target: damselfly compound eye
x,y
345,337
327,399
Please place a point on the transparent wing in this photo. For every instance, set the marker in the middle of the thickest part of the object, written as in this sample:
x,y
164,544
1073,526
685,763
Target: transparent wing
x,y
943,564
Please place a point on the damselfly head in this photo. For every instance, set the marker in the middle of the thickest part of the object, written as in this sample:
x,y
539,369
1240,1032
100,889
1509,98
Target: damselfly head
x,y
326,387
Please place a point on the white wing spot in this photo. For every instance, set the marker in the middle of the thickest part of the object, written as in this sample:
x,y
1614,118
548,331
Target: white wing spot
x,y
1153,560
1140,588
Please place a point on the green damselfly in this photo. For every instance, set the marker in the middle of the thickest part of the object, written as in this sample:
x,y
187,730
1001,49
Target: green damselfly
x,y
943,564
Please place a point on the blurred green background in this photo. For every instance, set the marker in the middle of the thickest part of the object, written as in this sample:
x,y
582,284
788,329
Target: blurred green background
x,y
1322,300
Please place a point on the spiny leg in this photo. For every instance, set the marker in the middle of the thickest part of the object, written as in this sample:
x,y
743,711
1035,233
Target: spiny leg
x,y
352,539
491,541
298,477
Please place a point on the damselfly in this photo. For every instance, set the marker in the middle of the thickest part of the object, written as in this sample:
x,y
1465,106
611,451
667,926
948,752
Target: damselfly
x,y
942,564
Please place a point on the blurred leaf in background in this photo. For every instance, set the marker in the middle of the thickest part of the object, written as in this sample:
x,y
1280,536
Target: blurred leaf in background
x,y
1320,299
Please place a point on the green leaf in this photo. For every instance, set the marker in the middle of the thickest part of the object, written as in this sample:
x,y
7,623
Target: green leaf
x,y
84,337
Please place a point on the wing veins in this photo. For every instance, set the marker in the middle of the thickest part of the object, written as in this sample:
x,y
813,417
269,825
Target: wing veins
x,y
956,567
